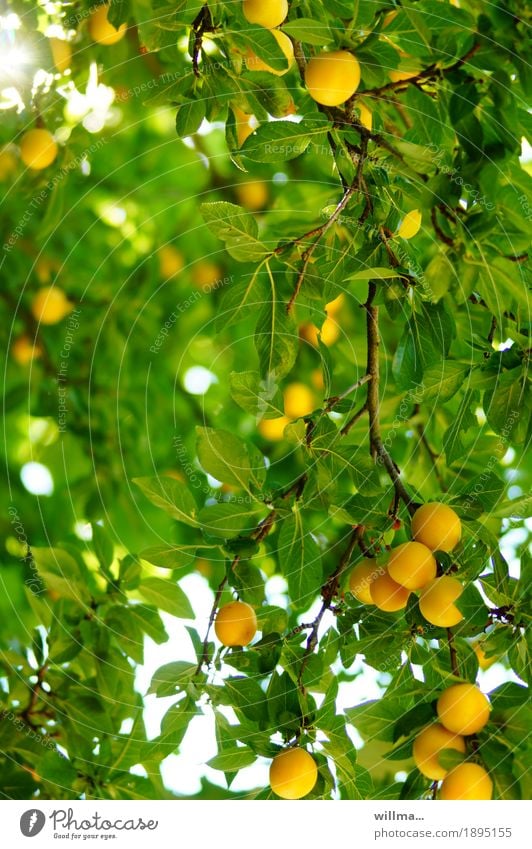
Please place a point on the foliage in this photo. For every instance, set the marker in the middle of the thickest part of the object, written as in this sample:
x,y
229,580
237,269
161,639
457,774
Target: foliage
x,y
427,374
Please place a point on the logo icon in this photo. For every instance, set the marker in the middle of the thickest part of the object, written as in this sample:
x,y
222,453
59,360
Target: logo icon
x,y
32,822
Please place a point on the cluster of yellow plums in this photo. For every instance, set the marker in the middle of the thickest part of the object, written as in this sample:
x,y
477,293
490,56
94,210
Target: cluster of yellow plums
x,y
412,566
462,710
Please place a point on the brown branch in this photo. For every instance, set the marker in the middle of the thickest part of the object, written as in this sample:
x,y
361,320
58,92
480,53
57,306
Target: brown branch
x,y
328,592
377,448
335,399
452,653
35,692
201,25
437,229
204,657
354,419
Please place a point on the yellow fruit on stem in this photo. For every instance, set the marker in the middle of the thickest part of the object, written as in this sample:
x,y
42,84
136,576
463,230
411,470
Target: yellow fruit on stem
x,y
61,54
171,261
299,400
388,595
8,164
468,782
412,565
24,351
101,29
50,305
366,116
293,773
427,748
235,624
436,601
410,224
252,195
38,149
360,580
332,78
273,429
267,14
463,709
437,526
255,63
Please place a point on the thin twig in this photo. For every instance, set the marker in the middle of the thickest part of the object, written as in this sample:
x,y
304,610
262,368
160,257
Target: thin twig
x,y
204,657
354,419
335,399
452,653
328,592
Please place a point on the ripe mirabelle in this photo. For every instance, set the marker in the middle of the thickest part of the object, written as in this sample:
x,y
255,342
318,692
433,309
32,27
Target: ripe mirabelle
x,y
245,124
436,601
332,78
410,224
101,30
235,624
253,194
50,305
273,429
255,63
171,261
467,781
387,595
24,351
483,661
360,579
365,116
61,54
206,274
269,14
437,526
428,745
463,709
293,773
299,400
38,149
8,164
412,565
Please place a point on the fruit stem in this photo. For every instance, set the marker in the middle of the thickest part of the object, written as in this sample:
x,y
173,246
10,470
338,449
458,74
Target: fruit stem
x,y
452,653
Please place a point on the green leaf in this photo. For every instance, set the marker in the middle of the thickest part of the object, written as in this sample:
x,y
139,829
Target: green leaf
x,y
508,405
280,141
172,677
300,560
170,557
167,596
61,573
309,31
103,546
228,458
262,398
233,759
425,342
170,495
189,117
230,518
260,41
276,340
236,227
443,380
464,419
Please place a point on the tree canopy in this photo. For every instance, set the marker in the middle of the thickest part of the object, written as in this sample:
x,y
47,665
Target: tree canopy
x,y
266,321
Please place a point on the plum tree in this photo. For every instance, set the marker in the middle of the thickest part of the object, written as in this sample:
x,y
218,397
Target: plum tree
x,y
437,601
428,746
437,526
293,773
387,594
268,15
360,580
102,30
412,565
332,78
463,709
235,624
38,149
467,782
